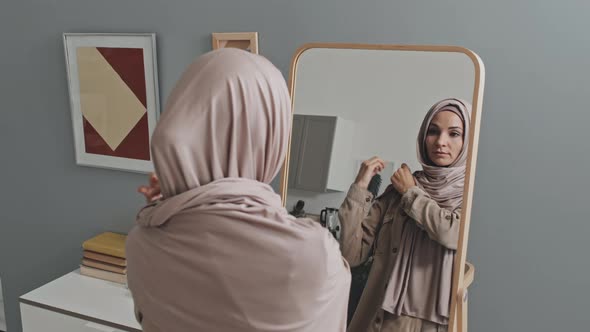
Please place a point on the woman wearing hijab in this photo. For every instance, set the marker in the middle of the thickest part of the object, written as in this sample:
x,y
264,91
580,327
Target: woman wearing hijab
x,y
217,251
412,229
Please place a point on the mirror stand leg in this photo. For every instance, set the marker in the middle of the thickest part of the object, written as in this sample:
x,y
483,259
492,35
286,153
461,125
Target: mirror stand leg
x,y
462,311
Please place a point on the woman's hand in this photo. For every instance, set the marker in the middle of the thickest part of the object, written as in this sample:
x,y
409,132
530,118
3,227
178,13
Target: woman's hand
x,y
152,192
402,179
368,169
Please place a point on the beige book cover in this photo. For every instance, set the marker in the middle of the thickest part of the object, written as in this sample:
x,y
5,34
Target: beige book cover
x,y
104,266
105,258
104,275
107,243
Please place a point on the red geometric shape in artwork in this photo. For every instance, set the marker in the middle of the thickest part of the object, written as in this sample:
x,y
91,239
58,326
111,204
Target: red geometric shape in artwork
x,y
128,63
135,145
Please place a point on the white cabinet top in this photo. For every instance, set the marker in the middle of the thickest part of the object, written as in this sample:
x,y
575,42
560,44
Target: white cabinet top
x,y
88,298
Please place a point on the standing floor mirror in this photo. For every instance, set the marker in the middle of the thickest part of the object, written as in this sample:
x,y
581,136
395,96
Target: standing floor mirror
x,y
352,102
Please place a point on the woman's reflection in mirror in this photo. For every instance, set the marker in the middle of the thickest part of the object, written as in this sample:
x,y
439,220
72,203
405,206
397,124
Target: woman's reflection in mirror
x,y
410,233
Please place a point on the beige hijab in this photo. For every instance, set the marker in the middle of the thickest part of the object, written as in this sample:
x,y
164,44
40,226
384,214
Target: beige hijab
x,y
444,184
219,252
420,283
228,116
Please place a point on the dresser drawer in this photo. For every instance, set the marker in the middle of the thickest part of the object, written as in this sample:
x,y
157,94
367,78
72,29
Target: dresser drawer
x,y
36,319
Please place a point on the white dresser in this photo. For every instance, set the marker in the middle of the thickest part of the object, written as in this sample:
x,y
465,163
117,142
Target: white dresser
x,y
77,303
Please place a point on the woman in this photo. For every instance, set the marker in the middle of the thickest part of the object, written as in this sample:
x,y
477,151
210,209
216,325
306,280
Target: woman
x,y
217,251
413,228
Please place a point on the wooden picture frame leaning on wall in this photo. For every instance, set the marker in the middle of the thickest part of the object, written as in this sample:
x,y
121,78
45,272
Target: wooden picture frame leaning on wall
x,y
247,41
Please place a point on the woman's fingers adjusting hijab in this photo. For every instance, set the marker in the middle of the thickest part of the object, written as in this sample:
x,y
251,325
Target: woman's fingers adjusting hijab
x,y
368,169
152,192
402,179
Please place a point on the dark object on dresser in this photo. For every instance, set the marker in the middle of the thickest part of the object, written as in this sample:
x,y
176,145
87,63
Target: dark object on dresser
x,y
298,211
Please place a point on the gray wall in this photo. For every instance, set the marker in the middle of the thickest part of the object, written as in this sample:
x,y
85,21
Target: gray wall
x,y
530,223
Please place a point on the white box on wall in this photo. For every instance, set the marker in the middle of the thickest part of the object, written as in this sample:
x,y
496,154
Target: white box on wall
x,y
320,153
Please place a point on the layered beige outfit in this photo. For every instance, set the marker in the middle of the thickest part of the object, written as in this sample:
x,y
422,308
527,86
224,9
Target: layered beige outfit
x,y
389,218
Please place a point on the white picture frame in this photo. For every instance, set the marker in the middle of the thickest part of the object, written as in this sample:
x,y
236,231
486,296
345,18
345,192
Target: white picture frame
x,y
114,108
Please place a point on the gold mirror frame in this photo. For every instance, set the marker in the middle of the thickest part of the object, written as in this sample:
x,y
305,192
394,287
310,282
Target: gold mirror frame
x,y
465,276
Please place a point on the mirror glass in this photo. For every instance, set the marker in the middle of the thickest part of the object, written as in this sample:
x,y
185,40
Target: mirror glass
x,y
351,104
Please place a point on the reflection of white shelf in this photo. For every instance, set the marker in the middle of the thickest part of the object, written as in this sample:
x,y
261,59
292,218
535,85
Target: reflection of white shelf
x,y
78,303
320,153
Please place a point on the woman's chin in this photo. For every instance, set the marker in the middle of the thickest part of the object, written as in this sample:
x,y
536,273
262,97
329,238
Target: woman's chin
x,y
441,161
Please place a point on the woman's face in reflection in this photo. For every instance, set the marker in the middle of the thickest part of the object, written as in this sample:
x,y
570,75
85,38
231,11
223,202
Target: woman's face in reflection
x,y
444,139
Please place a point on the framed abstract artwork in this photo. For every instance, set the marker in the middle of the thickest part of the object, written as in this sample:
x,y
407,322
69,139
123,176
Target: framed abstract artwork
x,y
114,98
247,41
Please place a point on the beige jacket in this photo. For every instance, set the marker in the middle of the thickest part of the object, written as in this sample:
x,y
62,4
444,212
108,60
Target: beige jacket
x,y
383,221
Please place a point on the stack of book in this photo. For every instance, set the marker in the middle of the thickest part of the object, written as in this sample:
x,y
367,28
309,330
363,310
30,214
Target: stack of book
x,y
104,257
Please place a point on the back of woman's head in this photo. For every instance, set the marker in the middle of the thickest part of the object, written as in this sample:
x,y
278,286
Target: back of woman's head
x,y
228,116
